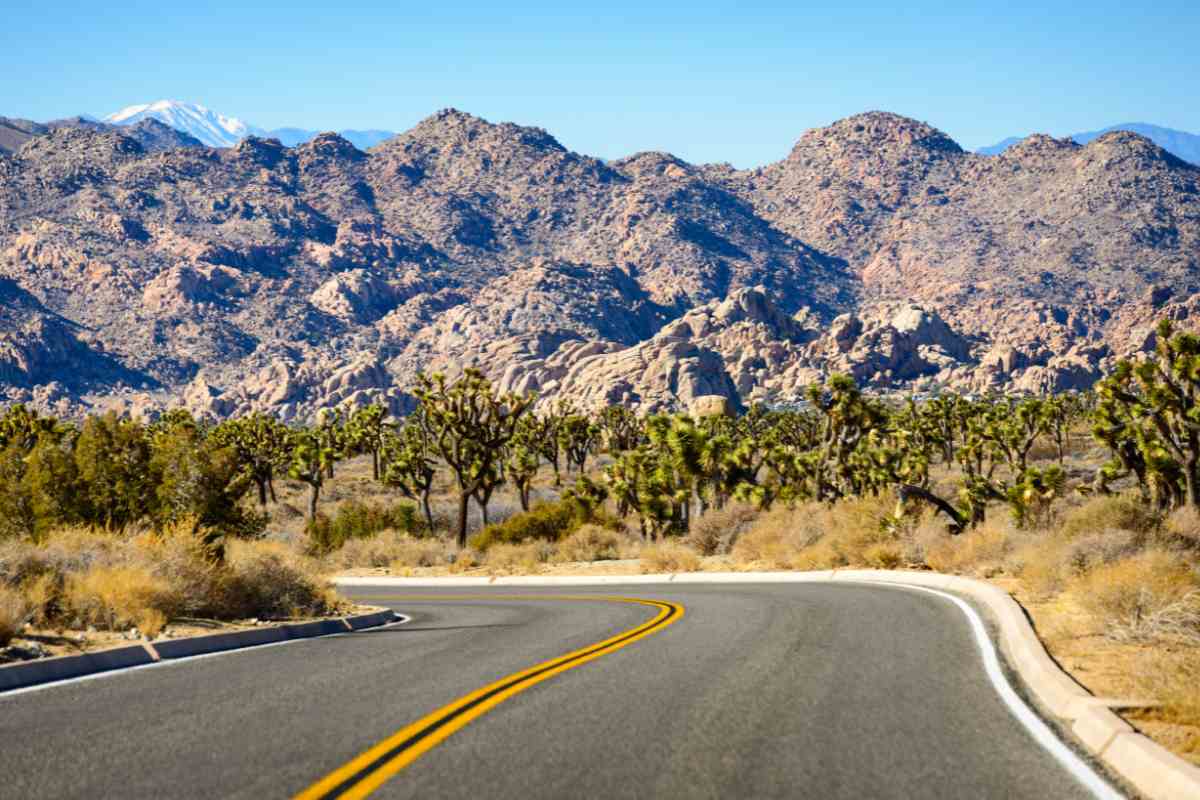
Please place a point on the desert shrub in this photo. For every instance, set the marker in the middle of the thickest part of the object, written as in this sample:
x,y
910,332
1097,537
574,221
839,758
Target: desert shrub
x,y
669,557
716,531
883,555
64,551
775,538
590,543
424,552
524,558
14,612
1088,551
981,548
1104,512
1129,597
112,461
546,521
464,560
357,520
266,580
819,536
1171,677
187,559
196,480
116,598
371,551
1182,529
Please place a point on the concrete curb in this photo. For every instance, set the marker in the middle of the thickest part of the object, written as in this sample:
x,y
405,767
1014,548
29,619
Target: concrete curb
x,y
59,668
1150,768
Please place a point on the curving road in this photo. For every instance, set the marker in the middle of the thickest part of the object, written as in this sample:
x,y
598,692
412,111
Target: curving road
x,y
784,690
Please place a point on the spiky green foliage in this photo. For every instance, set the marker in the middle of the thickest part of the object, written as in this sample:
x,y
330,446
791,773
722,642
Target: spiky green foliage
x,y
1147,414
410,463
365,432
470,425
261,446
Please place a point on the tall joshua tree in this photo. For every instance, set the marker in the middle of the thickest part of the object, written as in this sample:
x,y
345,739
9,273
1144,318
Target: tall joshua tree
x,y
470,425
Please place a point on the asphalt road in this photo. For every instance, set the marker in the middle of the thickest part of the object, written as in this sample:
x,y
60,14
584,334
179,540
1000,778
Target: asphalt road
x,y
787,690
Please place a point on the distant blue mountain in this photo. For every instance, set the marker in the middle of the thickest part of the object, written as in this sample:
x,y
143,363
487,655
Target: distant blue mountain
x,y
998,147
1181,144
291,137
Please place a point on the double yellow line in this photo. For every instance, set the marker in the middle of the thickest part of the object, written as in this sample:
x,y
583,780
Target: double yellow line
x,y
368,771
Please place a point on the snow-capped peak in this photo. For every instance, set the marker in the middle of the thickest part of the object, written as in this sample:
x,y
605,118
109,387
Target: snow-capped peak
x,y
215,130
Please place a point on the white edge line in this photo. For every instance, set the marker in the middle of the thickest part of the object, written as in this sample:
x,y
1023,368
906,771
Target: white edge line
x,y
167,662
1036,726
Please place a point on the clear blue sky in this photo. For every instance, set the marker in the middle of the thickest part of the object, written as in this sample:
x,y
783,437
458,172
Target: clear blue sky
x,y
709,82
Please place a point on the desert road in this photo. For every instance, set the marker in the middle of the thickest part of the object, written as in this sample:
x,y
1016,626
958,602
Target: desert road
x,y
690,691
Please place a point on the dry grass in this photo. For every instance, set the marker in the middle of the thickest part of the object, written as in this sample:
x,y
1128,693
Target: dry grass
x,y
980,550
1171,677
14,611
1181,529
421,553
516,559
1105,512
669,557
85,578
118,598
270,581
1143,596
380,550
819,536
590,543
715,532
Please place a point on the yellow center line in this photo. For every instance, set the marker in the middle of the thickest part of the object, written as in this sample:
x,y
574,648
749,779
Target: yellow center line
x,y
368,771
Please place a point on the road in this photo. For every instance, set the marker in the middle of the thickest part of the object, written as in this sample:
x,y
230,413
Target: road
x,y
787,690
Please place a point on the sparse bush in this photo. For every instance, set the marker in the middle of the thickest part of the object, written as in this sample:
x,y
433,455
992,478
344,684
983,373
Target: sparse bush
x,y
266,580
525,558
669,557
981,548
1172,679
548,522
423,552
776,537
716,531
820,536
357,520
1127,596
1123,511
14,612
117,598
372,551
1182,529
883,555
589,543
1086,552
464,560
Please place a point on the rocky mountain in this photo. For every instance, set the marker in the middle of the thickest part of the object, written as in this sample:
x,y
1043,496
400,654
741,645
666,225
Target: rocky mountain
x,y
1181,144
152,134
262,276
363,140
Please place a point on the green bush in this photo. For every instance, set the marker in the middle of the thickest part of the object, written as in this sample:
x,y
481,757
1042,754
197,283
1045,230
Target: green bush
x,y
357,520
549,522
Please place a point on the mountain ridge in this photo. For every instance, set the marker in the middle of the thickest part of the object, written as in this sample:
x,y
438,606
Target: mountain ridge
x,y
1179,143
284,279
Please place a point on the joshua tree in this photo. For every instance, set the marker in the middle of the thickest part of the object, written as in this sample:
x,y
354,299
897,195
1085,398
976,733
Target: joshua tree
x,y
410,465
469,425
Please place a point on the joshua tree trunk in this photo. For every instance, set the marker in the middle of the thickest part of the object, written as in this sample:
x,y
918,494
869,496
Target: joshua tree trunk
x,y
428,512
463,499
312,501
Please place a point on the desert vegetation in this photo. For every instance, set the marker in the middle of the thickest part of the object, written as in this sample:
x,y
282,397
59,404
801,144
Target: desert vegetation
x,y
1086,506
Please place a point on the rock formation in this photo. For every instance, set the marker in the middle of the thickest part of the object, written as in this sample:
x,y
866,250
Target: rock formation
x,y
139,271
